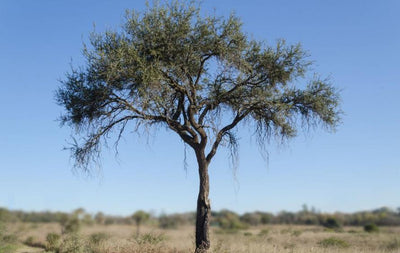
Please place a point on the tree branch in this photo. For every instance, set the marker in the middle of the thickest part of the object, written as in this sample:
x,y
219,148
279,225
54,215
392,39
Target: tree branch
x,y
222,132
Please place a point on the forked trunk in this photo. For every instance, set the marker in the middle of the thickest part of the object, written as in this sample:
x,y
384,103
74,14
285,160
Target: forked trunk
x,y
203,207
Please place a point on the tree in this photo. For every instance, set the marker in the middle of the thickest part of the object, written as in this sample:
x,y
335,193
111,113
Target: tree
x,y
139,217
100,218
198,76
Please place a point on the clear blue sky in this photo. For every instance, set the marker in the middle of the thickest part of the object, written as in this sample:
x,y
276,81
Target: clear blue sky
x,y
356,43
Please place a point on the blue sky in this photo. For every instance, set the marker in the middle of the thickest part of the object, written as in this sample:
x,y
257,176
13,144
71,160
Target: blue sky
x,y
356,43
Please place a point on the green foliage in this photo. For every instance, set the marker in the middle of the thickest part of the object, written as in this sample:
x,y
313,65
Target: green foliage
x,y
9,238
96,243
371,228
98,238
100,218
4,215
87,219
169,221
296,233
140,216
252,219
150,238
72,226
172,66
285,217
34,242
331,223
263,232
30,241
72,244
7,241
333,242
8,248
230,221
379,217
53,242
266,218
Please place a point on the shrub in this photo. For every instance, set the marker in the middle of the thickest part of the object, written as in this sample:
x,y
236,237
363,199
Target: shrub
x,y
33,242
96,243
371,228
263,232
333,242
7,241
30,241
266,218
150,238
170,221
53,242
98,238
230,221
72,225
72,244
7,248
331,223
9,238
296,233
253,219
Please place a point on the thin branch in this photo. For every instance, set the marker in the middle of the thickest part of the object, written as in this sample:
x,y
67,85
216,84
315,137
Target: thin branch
x,y
222,132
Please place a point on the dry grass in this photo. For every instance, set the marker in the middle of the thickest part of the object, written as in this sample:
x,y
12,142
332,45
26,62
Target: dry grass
x,y
272,239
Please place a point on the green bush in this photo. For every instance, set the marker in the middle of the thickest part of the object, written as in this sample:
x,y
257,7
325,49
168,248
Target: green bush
x,y
149,238
7,248
71,225
296,233
98,238
230,221
263,232
371,228
331,223
252,219
53,242
333,242
30,241
96,243
33,242
170,221
9,238
7,241
72,244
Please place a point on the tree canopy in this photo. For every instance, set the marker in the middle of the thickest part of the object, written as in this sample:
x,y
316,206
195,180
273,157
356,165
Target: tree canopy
x,y
170,66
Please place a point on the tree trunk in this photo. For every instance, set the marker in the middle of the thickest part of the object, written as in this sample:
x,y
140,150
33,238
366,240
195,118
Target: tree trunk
x,y
203,206
137,229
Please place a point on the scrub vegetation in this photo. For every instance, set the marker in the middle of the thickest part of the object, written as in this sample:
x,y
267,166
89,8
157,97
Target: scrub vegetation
x,y
256,232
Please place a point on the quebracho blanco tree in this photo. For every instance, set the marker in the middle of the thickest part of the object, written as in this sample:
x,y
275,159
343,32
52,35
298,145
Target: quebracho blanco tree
x,y
199,76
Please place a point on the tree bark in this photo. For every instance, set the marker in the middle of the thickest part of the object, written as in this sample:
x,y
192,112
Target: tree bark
x,y
203,206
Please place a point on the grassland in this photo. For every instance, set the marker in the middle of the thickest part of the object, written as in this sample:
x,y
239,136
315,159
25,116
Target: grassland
x,y
260,239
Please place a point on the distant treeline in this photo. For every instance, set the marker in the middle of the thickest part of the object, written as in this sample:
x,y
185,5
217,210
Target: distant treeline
x,y
225,219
